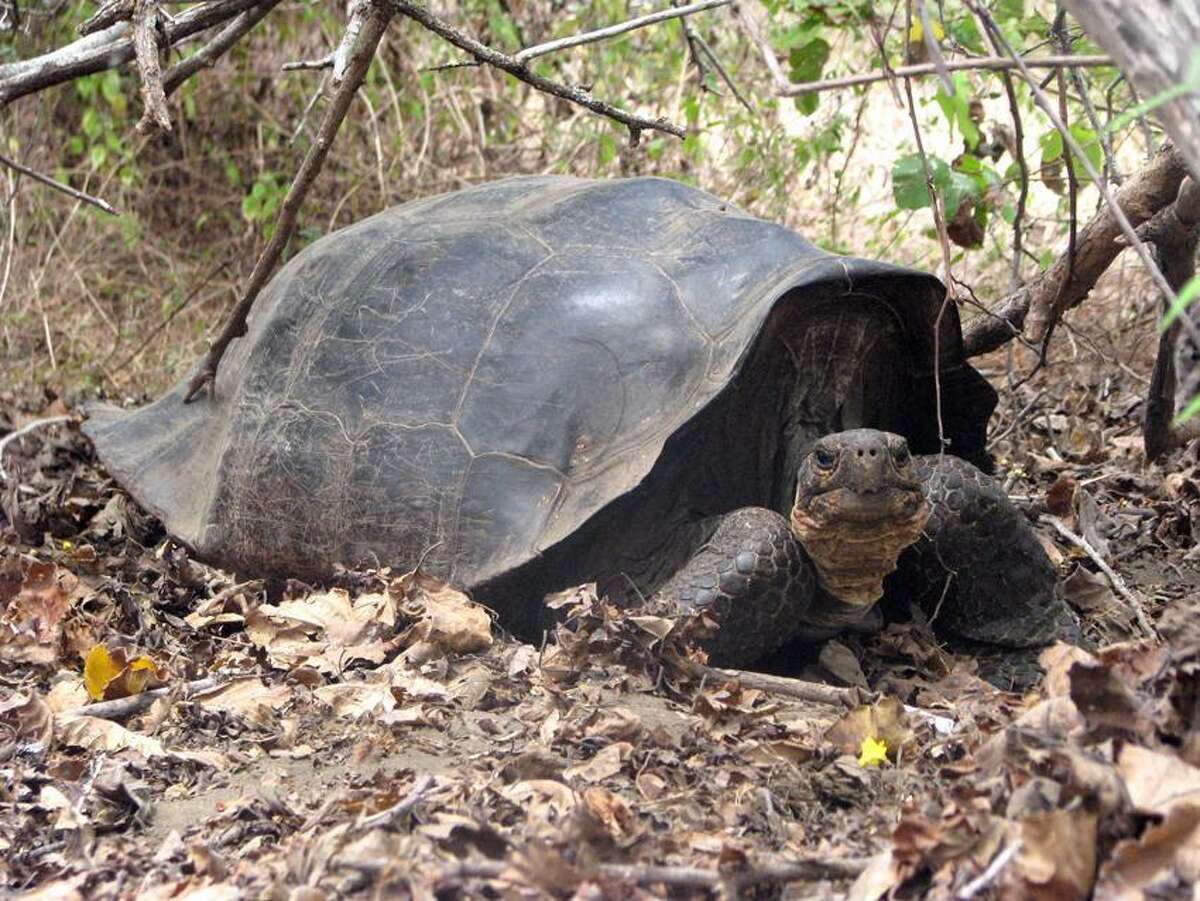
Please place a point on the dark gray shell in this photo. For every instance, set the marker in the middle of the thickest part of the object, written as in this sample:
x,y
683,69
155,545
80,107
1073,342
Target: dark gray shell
x,y
475,375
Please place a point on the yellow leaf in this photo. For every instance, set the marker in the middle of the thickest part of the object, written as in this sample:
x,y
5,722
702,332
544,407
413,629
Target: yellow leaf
x,y
873,752
916,33
98,670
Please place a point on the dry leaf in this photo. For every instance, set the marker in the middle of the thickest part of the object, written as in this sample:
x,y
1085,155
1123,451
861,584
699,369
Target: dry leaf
x,y
111,675
1057,860
607,762
249,699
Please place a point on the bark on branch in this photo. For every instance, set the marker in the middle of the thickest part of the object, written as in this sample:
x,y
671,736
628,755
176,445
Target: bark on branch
x,y
1063,286
107,49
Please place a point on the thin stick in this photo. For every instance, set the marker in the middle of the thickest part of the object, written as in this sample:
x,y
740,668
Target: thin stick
x,y
799,689
21,432
377,16
399,811
1117,582
611,31
59,186
984,879
991,63
207,56
518,69
122,707
725,77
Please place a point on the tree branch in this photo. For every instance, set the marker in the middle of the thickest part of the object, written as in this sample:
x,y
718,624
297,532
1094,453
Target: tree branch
x,y
145,50
989,63
59,186
1152,189
518,69
374,17
611,31
107,49
218,46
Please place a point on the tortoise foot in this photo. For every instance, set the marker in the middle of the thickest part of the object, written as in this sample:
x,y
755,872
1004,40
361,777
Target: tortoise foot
x,y
753,578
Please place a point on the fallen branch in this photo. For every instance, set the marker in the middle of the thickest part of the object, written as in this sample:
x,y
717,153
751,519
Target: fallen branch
x,y
375,16
399,811
804,869
516,68
123,707
1118,584
799,689
107,49
988,63
59,186
612,31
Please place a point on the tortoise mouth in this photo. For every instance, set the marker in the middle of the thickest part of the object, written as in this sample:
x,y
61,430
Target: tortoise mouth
x,y
846,506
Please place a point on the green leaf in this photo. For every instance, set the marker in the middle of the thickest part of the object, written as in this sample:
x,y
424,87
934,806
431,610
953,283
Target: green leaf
x,y
97,155
957,108
959,189
908,180
1052,146
90,123
806,64
1183,298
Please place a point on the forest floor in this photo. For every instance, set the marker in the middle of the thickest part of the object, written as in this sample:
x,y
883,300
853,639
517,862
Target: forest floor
x,y
381,735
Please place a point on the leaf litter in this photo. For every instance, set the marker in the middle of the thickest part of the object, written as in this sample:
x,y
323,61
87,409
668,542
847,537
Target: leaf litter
x,y
380,734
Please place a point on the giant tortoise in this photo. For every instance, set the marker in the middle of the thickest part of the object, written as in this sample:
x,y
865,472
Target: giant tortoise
x,y
543,381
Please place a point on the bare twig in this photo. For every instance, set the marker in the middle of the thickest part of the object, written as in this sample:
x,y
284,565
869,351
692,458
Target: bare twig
x,y
376,19
612,31
122,707
324,62
59,186
1117,582
988,876
799,689
107,49
725,77
990,63
751,16
485,54
218,46
23,431
399,811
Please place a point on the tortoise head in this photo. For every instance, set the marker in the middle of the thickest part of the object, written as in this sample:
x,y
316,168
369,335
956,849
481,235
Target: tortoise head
x,y
858,504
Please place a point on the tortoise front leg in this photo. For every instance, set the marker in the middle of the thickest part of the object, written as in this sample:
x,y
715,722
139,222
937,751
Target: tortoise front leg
x,y
755,580
979,570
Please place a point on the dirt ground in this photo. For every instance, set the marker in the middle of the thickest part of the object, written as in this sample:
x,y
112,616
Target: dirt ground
x,y
380,736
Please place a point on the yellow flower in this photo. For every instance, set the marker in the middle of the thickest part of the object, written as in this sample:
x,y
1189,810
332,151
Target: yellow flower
x,y
873,752
67,545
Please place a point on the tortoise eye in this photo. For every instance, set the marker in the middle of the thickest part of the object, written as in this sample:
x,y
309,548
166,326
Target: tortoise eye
x,y
825,458
901,455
